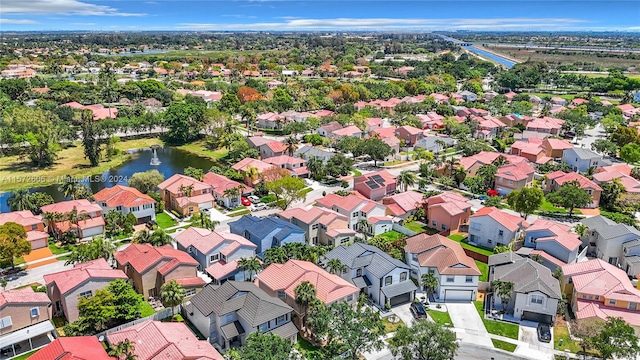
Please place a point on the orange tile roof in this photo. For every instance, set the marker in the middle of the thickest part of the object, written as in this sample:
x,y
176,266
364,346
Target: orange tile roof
x,y
590,309
443,253
406,201
244,165
563,235
23,296
119,195
596,277
452,203
68,280
206,240
348,203
72,348
173,184
24,218
143,256
561,177
507,220
221,183
515,172
63,207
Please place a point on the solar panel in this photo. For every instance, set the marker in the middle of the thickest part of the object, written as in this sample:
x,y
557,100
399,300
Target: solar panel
x,y
373,184
378,179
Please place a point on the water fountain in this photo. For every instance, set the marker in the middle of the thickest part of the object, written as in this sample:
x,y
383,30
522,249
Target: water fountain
x,y
154,160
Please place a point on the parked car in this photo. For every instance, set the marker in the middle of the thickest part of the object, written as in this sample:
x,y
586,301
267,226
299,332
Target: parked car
x,y
544,332
418,311
245,201
259,206
254,199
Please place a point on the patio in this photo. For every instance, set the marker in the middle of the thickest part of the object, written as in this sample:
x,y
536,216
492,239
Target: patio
x,y
156,304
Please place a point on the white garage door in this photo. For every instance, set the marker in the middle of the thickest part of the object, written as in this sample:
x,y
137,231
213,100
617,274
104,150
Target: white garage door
x,y
458,295
205,205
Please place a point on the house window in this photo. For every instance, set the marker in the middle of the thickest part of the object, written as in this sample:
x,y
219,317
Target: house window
x,y
214,257
633,306
355,214
584,296
119,208
85,294
263,327
388,280
280,294
104,204
35,312
189,292
476,226
612,302
135,208
315,240
314,226
613,260
490,241
432,271
281,319
468,279
147,206
403,277
350,298
344,270
500,233
5,322
450,279
434,223
34,227
537,299
359,272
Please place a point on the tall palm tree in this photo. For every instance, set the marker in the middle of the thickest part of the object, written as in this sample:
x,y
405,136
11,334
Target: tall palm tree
x,y
503,289
363,227
316,168
69,187
429,282
123,350
276,255
459,174
451,163
406,179
292,144
172,294
305,294
20,200
335,266
499,161
204,220
252,174
250,265
581,230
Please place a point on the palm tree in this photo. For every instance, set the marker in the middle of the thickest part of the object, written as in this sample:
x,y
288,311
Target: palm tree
x,y
581,230
335,266
186,190
292,144
69,187
124,350
363,227
275,255
451,163
205,221
316,168
429,282
305,294
250,265
499,161
20,200
252,174
459,175
406,179
160,237
172,294
503,289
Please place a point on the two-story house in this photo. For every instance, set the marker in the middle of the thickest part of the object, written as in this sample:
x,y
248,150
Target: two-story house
x,y
378,275
125,200
513,177
252,169
456,272
307,152
357,208
490,227
186,195
606,239
351,131
580,159
226,192
409,135
216,252
24,315
554,148
266,233
372,124
535,293
320,225
66,288
326,129
266,147
553,242
375,185
404,204
227,314
33,225
91,223
281,280
297,166
557,178
151,267
448,211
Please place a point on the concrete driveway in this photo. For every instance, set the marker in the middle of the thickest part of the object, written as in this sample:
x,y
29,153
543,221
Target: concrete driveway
x,y
465,317
404,314
529,334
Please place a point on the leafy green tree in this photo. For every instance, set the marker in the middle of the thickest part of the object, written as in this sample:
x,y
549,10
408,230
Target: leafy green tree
x,y
570,196
503,290
98,247
24,200
314,139
425,340
605,146
610,195
630,153
525,201
14,88
171,294
251,266
195,173
501,249
353,331
406,179
430,282
158,237
339,165
316,168
624,135
37,128
114,222
261,346
287,189
203,220
184,122
146,181
305,294
73,189
229,103
91,140
377,149
616,339
275,255
13,242
581,229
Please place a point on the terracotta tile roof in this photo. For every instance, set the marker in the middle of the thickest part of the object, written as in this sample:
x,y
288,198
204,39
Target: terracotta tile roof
x,y
219,270
373,121
348,203
287,276
206,240
310,215
24,218
377,219
244,165
331,127
596,277
452,203
165,340
590,309
550,258
143,256
561,177
191,282
276,146
173,184
385,132
558,144
82,206
68,280
563,234
515,172
221,183
347,131
511,222
284,160
406,201
198,199
23,296
442,253
119,195
72,348
88,223
410,130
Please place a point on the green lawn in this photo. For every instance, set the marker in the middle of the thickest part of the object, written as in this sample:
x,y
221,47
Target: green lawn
x,y
165,221
497,327
356,172
414,226
390,327
484,269
146,309
199,148
58,250
306,190
391,235
240,213
171,231
440,317
562,333
308,351
549,207
462,240
25,355
507,346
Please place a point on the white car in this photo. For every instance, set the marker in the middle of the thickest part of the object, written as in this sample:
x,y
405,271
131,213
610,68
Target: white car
x,y
254,199
259,206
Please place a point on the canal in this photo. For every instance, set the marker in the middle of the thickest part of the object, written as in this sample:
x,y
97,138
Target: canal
x,y
485,54
172,161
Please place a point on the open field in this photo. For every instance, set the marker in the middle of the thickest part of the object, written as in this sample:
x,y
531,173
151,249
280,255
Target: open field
x,y
17,172
198,148
567,57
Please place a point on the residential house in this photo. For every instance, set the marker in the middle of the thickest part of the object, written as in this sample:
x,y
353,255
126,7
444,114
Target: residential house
x,y
512,120
435,144
357,208
186,195
347,131
513,177
151,267
73,348
621,172
280,281
468,96
612,242
404,204
90,223
448,211
164,340
270,120
546,125
307,152
327,129
554,148
382,278
530,149
297,166
581,160
226,192
557,178
66,288
597,289
489,127
472,163
456,272
221,249
409,135
553,242
490,227
98,110
266,147
558,100
372,124
227,314
267,233
432,121
375,185
320,225
246,165
535,292
125,200
33,225
24,315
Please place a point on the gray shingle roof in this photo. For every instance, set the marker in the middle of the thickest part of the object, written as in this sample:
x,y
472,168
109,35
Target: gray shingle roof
x,y
285,331
528,276
398,288
232,329
377,262
252,304
503,258
609,229
585,154
306,152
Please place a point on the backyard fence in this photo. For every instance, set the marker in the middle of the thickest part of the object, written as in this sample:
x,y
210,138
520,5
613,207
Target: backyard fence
x,y
403,230
160,315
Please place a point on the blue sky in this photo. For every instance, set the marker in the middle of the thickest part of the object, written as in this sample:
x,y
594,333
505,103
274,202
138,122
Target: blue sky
x,y
389,15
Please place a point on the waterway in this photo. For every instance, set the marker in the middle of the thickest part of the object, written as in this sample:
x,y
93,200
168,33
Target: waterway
x,y
172,160
485,54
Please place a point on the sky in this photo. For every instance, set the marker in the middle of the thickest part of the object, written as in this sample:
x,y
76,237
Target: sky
x,y
286,15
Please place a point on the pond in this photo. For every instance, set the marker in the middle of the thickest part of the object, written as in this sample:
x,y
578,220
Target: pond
x,y
172,161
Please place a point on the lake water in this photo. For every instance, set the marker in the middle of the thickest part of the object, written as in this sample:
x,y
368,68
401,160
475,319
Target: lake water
x,y
504,61
172,161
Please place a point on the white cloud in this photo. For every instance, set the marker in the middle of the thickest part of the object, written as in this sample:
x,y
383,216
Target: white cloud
x,y
83,23
17,21
66,7
239,16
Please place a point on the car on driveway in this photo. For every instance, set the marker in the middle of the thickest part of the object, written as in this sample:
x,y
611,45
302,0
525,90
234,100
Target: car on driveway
x,y
245,201
418,311
544,332
258,206
254,199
